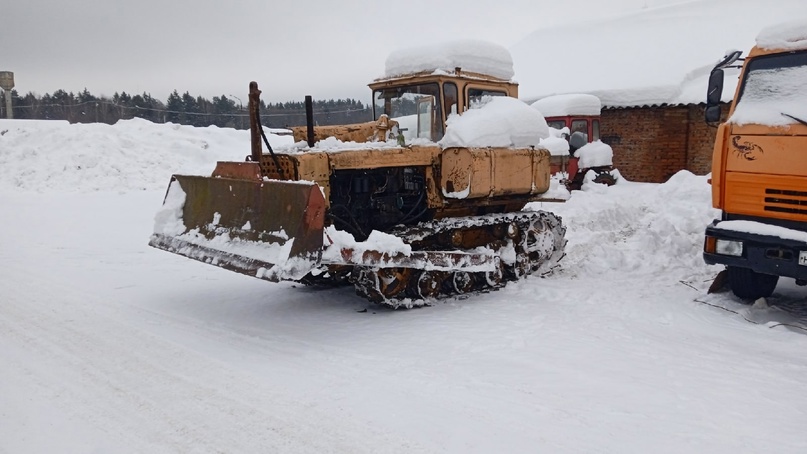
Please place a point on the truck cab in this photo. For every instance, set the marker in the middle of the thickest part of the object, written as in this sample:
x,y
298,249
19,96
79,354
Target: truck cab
x,y
759,171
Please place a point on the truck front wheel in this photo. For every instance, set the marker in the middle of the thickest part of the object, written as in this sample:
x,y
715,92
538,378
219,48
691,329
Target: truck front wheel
x,y
750,285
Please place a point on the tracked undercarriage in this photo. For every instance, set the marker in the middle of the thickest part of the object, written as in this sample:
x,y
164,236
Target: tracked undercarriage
x,y
513,245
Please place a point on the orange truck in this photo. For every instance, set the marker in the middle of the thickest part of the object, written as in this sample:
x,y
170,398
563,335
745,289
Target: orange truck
x,y
759,165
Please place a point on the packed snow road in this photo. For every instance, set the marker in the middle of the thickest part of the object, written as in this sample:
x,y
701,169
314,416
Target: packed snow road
x,y
110,346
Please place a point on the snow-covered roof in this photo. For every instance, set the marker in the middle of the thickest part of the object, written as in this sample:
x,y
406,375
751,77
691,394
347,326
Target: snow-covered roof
x,y
570,104
476,56
655,56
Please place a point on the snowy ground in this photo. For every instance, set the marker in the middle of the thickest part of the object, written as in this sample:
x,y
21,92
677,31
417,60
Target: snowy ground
x,y
107,345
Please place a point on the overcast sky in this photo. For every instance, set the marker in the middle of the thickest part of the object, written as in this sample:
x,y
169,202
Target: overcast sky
x,y
328,49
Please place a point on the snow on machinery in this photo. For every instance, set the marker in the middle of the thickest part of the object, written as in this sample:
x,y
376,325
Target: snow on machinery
x,y
578,117
432,207
759,174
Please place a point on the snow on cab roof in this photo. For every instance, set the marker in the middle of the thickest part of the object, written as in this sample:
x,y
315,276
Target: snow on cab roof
x,y
570,104
789,35
476,56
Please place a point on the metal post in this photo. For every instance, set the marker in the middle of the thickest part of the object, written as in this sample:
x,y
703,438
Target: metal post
x,y
309,120
240,110
7,83
9,112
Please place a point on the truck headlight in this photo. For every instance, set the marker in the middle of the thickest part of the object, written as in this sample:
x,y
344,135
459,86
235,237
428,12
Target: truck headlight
x,y
728,247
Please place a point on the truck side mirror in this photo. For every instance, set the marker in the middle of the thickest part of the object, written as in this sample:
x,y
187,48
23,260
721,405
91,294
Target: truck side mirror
x,y
713,95
715,90
712,114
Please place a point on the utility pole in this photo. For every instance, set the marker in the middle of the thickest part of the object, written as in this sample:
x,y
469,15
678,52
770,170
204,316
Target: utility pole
x,y
240,110
7,83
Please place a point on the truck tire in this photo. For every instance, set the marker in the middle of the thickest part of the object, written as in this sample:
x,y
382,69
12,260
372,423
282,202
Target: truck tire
x,y
750,285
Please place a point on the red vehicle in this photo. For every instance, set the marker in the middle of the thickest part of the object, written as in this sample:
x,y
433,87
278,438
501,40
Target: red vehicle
x,y
580,114
577,112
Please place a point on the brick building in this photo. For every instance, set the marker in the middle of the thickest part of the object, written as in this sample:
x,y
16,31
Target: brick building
x,y
652,143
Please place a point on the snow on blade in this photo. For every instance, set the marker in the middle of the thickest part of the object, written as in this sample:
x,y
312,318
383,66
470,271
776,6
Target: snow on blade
x,y
168,220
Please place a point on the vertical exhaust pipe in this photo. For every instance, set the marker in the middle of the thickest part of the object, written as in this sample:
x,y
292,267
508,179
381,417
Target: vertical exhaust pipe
x,y
254,118
309,119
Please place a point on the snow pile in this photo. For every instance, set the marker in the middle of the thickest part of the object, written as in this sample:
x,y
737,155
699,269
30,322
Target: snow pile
x,y
790,35
470,55
556,143
637,228
498,121
595,154
41,155
571,104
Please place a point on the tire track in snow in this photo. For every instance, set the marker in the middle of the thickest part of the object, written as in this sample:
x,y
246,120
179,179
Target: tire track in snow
x,y
157,396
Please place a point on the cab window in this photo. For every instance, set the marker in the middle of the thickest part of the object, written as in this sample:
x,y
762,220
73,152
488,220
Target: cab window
x,y
579,125
414,107
451,97
595,130
475,95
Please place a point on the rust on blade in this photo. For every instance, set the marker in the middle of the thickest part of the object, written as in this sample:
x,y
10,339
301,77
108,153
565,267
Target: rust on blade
x,y
290,215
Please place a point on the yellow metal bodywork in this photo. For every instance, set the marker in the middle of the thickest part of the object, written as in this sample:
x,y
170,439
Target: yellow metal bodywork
x,y
471,173
458,179
760,170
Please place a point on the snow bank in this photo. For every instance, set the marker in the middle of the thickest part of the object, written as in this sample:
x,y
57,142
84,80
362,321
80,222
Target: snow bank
x,y
471,55
45,156
571,104
789,35
637,228
595,154
498,121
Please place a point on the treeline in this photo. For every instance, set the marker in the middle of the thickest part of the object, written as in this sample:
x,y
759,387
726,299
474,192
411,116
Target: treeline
x,y
223,111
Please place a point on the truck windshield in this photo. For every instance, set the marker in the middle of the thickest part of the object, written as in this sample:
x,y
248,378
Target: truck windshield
x,y
416,108
774,90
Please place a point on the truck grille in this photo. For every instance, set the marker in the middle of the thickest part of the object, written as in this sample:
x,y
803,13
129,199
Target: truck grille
x,y
786,201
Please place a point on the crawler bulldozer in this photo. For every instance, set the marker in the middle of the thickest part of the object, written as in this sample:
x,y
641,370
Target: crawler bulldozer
x,y
403,219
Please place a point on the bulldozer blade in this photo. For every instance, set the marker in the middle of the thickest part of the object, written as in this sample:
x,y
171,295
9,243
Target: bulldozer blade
x,y
268,229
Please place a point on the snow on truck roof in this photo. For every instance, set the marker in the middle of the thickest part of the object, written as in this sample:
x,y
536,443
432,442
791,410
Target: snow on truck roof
x,y
789,35
476,56
571,104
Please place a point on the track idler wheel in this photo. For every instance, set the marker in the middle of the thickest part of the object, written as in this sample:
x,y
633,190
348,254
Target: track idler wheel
x,y
428,284
393,281
462,282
